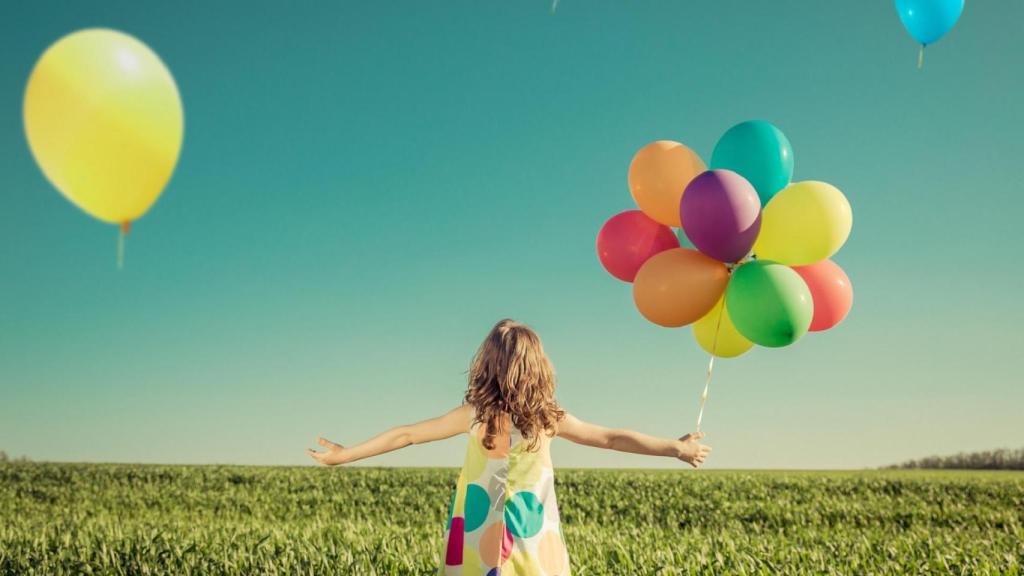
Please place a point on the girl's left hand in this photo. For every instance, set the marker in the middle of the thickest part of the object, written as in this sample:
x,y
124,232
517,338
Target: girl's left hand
x,y
691,450
334,455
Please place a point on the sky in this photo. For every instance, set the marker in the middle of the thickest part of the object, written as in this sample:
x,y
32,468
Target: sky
x,y
366,187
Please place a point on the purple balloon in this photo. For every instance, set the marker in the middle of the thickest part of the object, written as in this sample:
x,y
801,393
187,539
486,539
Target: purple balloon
x,y
721,214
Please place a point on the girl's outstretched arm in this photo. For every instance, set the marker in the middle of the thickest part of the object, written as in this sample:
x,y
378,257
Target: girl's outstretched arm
x,y
687,448
446,426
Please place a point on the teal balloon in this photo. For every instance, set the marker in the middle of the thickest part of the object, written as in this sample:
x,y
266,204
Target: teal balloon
x,y
683,240
759,152
929,20
769,303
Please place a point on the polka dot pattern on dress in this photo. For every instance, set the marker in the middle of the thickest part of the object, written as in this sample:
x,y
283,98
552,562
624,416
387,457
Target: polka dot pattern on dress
x,y
477,505
524,514
551,553
496,540
503,518
453,557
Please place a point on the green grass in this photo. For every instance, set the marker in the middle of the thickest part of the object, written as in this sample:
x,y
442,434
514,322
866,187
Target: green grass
x,y
134,519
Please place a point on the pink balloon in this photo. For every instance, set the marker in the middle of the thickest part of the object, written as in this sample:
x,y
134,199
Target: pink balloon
x,y
628,239
831,292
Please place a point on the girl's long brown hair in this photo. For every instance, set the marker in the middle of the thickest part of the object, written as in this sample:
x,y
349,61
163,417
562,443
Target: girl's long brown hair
x,y
511,376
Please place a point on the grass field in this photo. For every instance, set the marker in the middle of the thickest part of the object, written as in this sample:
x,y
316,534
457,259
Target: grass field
x,y
135,519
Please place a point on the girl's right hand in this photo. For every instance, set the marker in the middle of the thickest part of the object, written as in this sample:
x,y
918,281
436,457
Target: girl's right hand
x,y
691,451
334,455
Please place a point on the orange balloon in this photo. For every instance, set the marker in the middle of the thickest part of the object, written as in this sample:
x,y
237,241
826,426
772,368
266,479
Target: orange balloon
x,y
658,175
678,286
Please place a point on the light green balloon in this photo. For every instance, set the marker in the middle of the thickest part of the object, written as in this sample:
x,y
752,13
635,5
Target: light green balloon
x,y
769,303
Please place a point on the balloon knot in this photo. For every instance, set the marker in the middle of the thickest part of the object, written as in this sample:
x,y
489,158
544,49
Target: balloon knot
x,y
126,227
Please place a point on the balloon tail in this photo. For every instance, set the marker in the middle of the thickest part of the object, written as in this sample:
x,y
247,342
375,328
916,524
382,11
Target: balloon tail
x,y
711,367
125,228
920,57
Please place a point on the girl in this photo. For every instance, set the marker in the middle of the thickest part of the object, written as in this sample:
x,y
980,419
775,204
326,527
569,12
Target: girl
x,y
503,517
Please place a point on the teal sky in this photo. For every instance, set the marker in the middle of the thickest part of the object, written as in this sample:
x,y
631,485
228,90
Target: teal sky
x,y
365,188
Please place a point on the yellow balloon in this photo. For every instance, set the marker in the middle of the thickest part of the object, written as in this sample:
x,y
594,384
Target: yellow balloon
x,y
104,121
729,342
804,223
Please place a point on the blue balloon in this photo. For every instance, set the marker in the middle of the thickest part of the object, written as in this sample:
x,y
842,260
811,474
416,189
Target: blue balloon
x,y
684,242
929,20
759,152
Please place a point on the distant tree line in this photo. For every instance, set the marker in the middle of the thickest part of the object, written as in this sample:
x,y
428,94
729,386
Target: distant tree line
x,y
4,458
1001,459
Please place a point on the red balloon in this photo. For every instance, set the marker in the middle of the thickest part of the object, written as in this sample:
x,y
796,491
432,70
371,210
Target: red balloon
x,y
629,239
831,292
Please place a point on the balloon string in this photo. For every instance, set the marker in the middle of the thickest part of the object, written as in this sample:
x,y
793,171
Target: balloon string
x,y
125,227
711,367
920,57
554,6
120,249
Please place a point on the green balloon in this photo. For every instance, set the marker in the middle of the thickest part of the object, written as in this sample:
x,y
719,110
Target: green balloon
x,y
759,152
769,303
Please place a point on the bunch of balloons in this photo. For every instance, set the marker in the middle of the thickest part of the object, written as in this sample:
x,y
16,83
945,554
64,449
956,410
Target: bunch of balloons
x,y
742,275
104,121
928,20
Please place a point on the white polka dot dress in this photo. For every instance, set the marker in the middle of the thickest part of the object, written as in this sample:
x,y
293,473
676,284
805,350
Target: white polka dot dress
x,y
504,519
